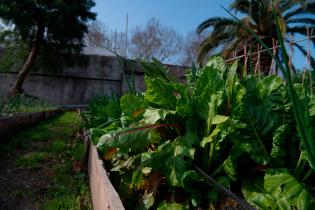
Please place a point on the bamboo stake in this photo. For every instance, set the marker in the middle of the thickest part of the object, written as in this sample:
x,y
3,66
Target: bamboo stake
x,y
265,50
274,51
245,58
257,65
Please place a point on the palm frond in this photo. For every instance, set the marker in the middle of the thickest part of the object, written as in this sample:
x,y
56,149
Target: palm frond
x,y
246,6
211,43
211,22
284,5
226,25
301,30
310,21
309,9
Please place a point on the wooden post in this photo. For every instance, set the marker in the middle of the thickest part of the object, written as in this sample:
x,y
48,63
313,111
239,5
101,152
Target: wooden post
x,y
257,66
245,58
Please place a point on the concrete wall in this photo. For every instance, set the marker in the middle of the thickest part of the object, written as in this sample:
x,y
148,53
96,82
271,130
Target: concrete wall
x,y
77,84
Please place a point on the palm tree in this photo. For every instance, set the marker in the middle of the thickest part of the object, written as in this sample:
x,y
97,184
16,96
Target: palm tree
x,y
228,35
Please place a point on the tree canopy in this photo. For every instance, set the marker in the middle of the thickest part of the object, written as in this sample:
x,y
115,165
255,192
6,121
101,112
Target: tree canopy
x,y
57,24
155,40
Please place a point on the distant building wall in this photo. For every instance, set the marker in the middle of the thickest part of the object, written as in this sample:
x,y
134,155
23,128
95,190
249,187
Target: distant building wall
x,y
77,84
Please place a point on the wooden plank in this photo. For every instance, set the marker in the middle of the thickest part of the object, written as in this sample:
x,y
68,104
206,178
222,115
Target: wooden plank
x,y
104,196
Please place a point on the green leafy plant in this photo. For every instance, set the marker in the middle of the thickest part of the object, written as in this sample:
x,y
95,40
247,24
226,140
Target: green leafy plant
x,y
237,129
300,109
100,109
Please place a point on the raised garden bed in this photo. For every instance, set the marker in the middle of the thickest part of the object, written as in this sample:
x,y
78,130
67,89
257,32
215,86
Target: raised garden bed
x,y
104,196
14,123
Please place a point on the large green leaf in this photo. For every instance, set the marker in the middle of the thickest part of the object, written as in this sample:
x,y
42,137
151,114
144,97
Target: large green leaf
x,y
222,128
172,159
257,120
152,115
190,139
230,164
192,182
184,103
210,138
278,144
129,140
269,85
287,191
130,105
218,119
231,79
156,69
160,93
208,92
255,194
280,190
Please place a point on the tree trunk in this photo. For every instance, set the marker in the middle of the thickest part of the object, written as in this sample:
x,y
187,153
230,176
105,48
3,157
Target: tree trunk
x,y
34,51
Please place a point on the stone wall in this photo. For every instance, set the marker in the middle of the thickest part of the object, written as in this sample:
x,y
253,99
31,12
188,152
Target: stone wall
x,y
77,84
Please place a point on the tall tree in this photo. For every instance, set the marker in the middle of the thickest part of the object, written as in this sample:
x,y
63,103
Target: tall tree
x,y
100,36
155,40
228,36
97,35
46,24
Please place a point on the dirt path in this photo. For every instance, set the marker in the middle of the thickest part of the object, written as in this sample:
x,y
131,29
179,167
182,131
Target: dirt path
x,y
40,168
21,187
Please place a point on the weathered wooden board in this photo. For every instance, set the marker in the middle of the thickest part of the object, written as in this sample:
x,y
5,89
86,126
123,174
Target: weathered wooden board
x,y
104,196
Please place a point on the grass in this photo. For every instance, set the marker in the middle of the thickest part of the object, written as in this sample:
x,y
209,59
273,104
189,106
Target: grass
x,y
22,104
69,189
58,147
60,128
57,143
31,159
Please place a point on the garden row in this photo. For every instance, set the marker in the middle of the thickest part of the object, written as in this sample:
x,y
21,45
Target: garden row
x,y
41,167
200,144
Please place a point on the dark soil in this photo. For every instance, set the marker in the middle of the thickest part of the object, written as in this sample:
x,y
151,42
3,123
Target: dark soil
x,y
22,187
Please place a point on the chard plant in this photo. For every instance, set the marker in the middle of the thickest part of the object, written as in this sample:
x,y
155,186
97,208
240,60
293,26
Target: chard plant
x,y
239,130
300,108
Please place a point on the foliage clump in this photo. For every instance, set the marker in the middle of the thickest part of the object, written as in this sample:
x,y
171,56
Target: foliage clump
x,y
239,130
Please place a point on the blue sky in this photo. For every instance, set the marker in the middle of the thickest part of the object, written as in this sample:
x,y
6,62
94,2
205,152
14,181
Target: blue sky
x,y
182,15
